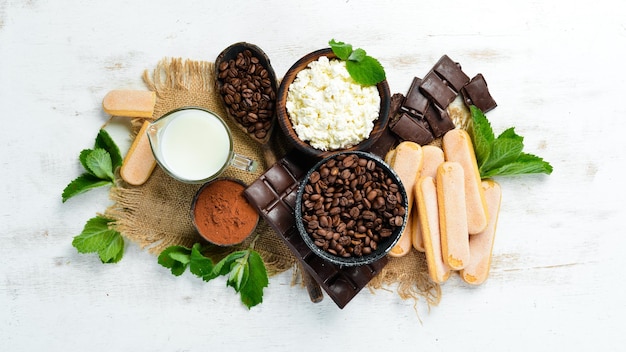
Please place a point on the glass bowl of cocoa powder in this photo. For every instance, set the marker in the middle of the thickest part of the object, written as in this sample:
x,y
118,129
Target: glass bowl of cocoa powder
x,y
351,208
221,214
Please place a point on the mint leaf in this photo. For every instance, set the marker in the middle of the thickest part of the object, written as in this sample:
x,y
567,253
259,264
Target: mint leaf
x,y
82,184
481,134
223,267
502,156
252,292
245,270
239,271
200,265
341,49
98,163
525,164
175,258
364,69
367,72
104,141
503,151
357,55
97,236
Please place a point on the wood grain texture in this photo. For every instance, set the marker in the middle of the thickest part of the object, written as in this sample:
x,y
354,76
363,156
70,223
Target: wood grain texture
x,y
554,68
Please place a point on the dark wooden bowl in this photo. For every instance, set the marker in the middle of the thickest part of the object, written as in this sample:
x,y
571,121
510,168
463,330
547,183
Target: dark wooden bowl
x,y
285,122
231,53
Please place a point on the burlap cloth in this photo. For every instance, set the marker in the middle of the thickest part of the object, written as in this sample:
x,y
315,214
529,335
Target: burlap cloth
x,y
157,214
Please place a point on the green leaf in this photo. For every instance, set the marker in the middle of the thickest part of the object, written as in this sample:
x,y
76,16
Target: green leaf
x,y
509,133
82,184
98,162
481,134
357,55
223,267
503,151
200,265
252,292
341,49
364,69
104,141
367,72
175,258
239,271
525,164
97,236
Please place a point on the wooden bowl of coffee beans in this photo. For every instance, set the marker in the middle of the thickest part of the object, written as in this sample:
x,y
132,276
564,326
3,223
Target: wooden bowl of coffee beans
x,y
351,208
317,111
247,85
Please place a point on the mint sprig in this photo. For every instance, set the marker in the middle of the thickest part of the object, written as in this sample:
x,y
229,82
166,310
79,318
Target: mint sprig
x,y
245,270
502,155
99,163
98,237
364,69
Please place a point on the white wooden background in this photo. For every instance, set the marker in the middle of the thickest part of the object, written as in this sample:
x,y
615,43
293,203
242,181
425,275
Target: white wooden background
x,y
556,69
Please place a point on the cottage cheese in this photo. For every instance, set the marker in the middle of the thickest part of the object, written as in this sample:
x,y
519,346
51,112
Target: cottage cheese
x,y
328,108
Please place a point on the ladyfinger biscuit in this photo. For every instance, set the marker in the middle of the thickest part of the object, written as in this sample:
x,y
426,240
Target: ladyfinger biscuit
x,y
433,157
452,215
129,103
481,244
406,161
139,161
457,146
427,204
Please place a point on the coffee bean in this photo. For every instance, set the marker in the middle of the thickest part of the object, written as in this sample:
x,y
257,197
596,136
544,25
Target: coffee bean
x,y
247,92
355,204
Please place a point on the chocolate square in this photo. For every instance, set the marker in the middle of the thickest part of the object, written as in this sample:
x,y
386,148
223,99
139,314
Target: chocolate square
x,y
412,129
415,102
439,121
451,72
437,90
476,93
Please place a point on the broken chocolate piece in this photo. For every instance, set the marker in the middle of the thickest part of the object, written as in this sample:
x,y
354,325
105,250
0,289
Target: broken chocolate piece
x,y
387,139
437,90
476,93
439,120
273,195
451,72
415,102
412,129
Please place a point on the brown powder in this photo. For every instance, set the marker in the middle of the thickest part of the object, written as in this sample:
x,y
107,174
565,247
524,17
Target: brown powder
x,y
221,213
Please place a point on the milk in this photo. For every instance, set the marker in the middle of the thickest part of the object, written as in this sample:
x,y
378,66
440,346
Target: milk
x,y
195,145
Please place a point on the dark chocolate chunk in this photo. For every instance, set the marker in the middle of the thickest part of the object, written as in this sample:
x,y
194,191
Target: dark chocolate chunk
x,y
437,90
273,195
476,93
415,102
451,72
439,120
387,139
412,129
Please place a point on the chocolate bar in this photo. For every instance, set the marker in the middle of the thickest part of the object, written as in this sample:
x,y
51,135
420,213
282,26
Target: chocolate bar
x,y
439,120
451,73
415,102
412,129
476,93
273,195
437,90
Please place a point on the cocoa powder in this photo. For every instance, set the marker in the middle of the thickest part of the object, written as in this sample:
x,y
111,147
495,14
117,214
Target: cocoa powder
x,y
221,213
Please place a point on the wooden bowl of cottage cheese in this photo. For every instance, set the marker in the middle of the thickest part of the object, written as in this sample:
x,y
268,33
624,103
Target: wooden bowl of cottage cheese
x,y
321,110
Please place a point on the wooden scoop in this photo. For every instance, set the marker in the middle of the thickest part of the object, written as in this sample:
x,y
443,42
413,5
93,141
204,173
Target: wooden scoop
x,y
247,84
